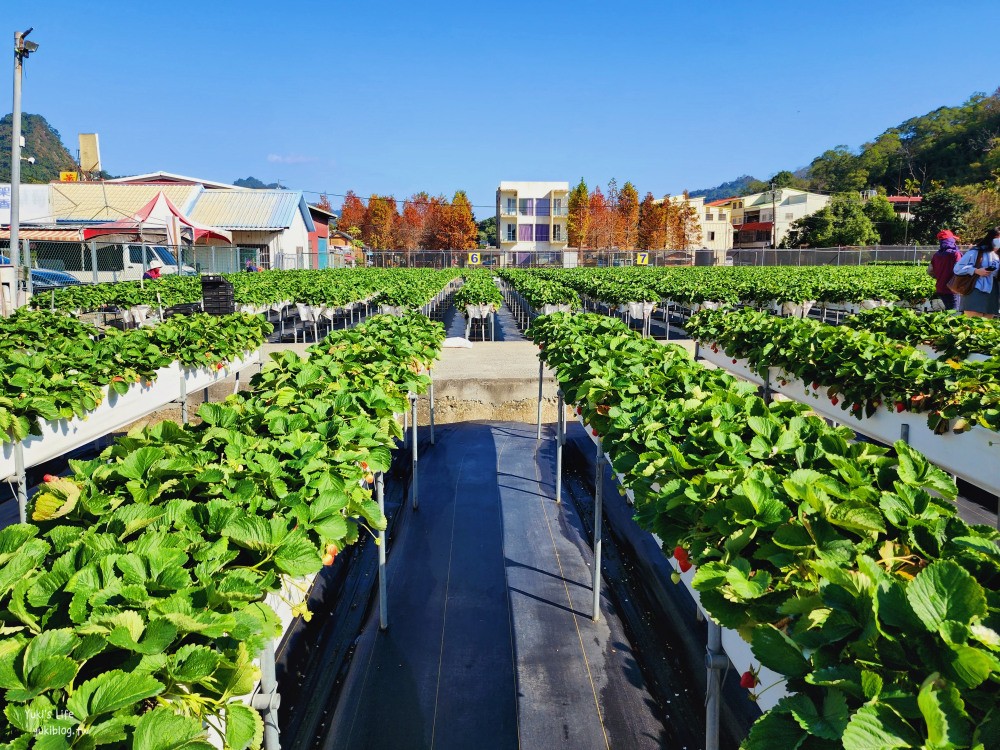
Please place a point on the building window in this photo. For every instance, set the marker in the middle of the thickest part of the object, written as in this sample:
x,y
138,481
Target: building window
x,y
557,233
511,206
541,232
709,217
722,215
512,233
763,235
557,207
526,206
711,236
542,207
525,232
789,217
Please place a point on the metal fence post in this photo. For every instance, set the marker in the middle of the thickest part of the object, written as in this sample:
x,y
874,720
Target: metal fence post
x,y
93,259
715,661
268,699
541,369
21,477
26,255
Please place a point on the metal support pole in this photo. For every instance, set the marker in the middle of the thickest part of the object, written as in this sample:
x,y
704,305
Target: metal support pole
x,y
184,399
21,475
26,258
431,406
541,370
715,661
383,599
268,699
93,260
598,510
560,439
413,413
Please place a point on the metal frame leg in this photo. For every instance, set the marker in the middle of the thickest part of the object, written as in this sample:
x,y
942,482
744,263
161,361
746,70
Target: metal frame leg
x,y
413,411
541,370
715,661
560,439
21,474
383,599
184,400
432,406
268,699
598,511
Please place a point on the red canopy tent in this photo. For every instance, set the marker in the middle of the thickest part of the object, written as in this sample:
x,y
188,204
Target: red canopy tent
x,y
159,219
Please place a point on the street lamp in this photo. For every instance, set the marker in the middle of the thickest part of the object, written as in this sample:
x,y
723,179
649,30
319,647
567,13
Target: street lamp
x,y
22,48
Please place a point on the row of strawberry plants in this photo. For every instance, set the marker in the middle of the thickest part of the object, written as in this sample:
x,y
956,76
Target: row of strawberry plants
x,y
950,335
55,367
539,291
478,289
332,287
844,565
856,369
132,607
751,285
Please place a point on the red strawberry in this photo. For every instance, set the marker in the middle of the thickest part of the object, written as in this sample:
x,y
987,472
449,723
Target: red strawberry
x,y
680,552
579,410
218,366
900,407
855,406
684,565
815,386
364,466
594,433
834,401
748,680
49,478
734,361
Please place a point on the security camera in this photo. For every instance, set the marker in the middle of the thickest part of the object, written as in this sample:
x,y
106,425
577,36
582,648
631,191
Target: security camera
x,y
31,160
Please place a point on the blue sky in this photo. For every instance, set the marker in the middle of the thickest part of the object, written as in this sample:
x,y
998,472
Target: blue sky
x,y
394,97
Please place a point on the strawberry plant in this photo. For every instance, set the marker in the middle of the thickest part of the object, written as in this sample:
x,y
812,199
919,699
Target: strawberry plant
x,y
845,565
858,367
478,289
132,606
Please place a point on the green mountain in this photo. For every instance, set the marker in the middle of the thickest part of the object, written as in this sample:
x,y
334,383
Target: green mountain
x,y
253,182
41,141
739,186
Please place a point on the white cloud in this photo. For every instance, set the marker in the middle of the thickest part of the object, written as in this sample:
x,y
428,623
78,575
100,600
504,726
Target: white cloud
x,y
290,158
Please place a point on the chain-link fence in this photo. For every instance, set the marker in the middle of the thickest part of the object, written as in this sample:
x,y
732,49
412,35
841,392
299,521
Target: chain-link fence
x,y
832,256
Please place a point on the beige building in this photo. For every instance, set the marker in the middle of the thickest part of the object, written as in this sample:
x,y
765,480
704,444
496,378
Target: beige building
x,y
532,216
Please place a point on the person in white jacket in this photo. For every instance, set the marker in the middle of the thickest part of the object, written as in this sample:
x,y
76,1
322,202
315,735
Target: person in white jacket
x,y
982,261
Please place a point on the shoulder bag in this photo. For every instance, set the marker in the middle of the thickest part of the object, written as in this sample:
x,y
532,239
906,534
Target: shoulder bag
x,y
965,284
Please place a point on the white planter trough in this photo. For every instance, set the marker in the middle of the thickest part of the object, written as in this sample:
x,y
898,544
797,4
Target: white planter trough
x,y
115,412
740,368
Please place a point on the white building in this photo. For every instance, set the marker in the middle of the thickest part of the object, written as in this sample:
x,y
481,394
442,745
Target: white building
x,y
532,216
763,219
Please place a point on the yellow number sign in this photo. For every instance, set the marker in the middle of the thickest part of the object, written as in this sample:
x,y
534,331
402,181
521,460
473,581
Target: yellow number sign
x,y
642,259
475,259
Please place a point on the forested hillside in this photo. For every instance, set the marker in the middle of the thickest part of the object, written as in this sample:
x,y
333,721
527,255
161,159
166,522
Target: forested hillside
x,y
42,142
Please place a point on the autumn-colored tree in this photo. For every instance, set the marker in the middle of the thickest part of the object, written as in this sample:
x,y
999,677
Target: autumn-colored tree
x,y
627,224
578,222
380,219
409,228
650,229
615,227
689,226
673,232
352,212
463,234
599,228
435,236
324,203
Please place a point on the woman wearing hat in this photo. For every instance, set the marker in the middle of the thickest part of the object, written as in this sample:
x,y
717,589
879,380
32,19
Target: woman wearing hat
x,y
942,268
154,270
983,262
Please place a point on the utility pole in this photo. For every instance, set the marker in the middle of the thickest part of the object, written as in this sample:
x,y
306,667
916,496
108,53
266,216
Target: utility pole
x,y
22,49
774,220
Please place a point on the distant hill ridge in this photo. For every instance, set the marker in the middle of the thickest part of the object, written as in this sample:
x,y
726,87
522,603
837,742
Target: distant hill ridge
x,y
42,142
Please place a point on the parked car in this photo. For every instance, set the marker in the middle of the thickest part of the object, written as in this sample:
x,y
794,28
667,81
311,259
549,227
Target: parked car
x,y
42,279
115,261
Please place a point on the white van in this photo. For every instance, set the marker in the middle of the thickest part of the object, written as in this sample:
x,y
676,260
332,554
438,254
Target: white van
x,y
115,261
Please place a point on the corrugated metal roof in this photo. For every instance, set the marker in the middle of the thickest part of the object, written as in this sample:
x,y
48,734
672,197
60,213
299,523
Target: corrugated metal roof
x,y
96,201
250,209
